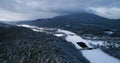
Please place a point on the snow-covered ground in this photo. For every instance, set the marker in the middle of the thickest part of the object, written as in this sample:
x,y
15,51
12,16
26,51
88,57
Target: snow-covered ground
x,y
94,56
72,37
34,28
98,56
59,35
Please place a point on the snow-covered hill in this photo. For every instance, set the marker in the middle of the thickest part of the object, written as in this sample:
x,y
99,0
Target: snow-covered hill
x,y
94,55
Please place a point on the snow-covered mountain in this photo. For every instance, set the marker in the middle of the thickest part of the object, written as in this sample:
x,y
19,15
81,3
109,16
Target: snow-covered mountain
x,y
23,45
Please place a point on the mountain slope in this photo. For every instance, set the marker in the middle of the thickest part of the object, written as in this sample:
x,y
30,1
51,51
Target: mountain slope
x,y
22,45
83,22
75,19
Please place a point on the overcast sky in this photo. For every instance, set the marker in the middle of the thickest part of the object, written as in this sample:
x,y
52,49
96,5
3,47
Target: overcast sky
x,y
12,10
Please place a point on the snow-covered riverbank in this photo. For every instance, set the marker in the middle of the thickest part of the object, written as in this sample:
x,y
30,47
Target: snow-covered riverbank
x,y
94,56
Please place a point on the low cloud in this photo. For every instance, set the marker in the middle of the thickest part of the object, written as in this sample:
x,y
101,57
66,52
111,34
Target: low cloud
x,y
111,13
35,9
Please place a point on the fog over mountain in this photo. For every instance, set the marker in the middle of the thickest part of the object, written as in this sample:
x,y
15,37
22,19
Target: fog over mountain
x,y
14,10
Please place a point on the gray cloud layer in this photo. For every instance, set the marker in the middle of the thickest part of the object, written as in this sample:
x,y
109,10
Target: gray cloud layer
x,y
33,9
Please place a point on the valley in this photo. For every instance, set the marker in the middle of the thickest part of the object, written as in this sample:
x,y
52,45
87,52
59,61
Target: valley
x,y
97,54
